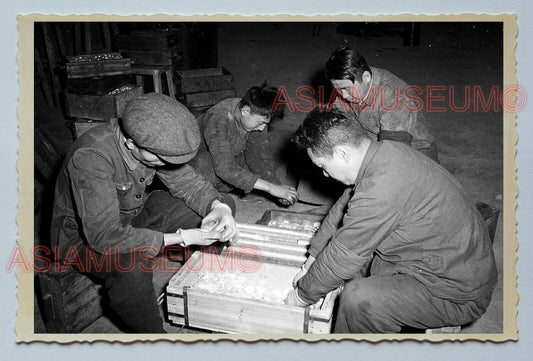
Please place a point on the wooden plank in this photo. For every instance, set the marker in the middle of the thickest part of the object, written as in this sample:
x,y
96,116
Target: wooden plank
x,y
107,36
122,98
60,40
88,69
43,78
90,106
221,313
77,38
202,80
97,85
207,98
71,301
83,125
52,60
147,40
100,107
147,57
87,38
46,152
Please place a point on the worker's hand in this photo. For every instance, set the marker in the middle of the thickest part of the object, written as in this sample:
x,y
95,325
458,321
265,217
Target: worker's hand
x,y
220,220
293,298
303,270
285,194
198,237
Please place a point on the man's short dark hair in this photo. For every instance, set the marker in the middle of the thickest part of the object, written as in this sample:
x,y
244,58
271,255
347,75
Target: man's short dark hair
x,y
261,100
346,63
322,131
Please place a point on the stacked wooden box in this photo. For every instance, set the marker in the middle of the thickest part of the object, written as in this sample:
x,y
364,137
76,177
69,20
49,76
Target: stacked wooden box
x,y
200,89
151,47
98,88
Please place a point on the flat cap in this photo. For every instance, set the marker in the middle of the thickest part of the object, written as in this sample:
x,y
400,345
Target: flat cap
x,y
163,126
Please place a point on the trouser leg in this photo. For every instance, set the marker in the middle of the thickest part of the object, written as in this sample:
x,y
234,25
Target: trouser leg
x,y
385,304
128,282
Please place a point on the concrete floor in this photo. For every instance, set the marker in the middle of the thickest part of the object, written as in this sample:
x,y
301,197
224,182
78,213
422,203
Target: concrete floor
x,y
285,54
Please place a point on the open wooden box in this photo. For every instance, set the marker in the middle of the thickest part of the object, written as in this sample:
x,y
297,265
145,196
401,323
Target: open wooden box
x,y
264,258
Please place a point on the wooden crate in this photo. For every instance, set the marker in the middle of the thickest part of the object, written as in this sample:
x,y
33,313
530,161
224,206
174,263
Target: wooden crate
x,y
97,85
148,40
261,254
101,107
70,300
197,100
80,126
203,80
97,65
168,56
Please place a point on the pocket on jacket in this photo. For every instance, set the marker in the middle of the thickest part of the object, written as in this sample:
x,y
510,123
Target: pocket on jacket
x,y
123,188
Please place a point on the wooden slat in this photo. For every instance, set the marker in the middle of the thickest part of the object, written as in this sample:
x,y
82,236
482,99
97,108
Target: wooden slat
x,y
223,314
202,80
71,301
207,98
147,57
99,107
52,60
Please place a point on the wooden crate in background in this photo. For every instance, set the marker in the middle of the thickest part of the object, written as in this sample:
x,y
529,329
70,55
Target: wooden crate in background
x,y
97,65
101,107
199,89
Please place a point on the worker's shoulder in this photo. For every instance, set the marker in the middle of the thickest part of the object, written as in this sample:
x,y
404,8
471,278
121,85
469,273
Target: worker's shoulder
x,y
223,106
98,141
386,79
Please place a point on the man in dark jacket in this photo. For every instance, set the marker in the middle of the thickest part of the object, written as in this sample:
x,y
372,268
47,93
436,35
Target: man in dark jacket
x,y
235,152
430,255
105,223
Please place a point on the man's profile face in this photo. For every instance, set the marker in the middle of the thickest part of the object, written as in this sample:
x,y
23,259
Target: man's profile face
x,y
252,122
334,166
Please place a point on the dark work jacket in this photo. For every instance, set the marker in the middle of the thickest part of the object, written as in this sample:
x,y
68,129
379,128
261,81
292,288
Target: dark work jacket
x,y
229,156
410,216
390,106
101,188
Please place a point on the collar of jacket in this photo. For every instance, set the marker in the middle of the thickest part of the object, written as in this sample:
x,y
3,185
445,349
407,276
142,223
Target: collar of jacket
x,y
124,152
372,150
374,83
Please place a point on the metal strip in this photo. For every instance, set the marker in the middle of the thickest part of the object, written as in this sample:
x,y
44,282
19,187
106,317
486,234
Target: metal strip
x,y
174,295
185,306
306,319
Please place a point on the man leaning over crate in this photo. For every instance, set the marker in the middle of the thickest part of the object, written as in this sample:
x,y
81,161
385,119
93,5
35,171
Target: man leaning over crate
x,y
102,209
432,263
235,152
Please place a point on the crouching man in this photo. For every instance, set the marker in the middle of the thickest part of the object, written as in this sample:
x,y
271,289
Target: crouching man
x,y
103,214
429,254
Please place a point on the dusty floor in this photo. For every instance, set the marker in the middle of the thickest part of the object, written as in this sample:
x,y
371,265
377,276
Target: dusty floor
x,y
470,142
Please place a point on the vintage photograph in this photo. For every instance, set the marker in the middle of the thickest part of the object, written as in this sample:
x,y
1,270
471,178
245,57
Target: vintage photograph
x,y
307,179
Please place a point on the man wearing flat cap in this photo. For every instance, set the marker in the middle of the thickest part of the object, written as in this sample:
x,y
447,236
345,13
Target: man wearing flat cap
x,y
106,224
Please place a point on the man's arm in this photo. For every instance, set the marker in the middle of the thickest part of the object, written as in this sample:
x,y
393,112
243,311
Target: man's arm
x,y
330,224
370,218
258,156
184,182
216,136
